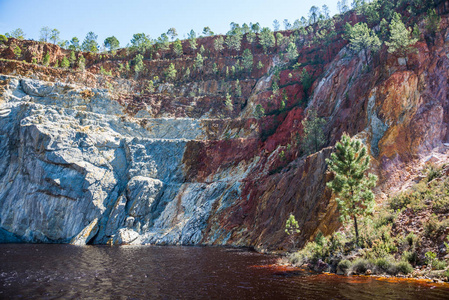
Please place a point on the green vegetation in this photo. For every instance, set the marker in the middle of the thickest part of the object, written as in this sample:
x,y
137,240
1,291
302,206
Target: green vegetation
x,y
3,39
46,59
170,74
90,43
65,63
45,34
400,37
112,43
54,36
16,34
177,48
361,38
138,64
17,51
313,139
140,42
349,163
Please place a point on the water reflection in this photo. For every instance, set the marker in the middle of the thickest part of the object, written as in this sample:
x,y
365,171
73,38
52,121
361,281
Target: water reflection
x,y
130,272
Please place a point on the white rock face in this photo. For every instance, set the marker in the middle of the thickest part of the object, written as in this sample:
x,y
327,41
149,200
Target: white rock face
x,y
74,169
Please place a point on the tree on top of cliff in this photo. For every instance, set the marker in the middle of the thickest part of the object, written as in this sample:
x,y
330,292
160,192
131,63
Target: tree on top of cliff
x,y
112,43
207,31
351,184
314,14
400,37
140,42
266,39
16,33
192,39
54,37
45,34
362,38
75,44
90,43
276,25
172,33
342,6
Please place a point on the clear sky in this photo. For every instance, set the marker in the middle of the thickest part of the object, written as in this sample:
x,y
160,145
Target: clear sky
x,y
125,17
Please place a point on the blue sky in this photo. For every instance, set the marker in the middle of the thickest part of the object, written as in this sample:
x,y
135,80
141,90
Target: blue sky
x,y
124,18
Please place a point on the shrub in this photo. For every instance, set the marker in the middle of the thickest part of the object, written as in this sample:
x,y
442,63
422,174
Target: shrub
x,y
432,173
410,256
411,239
383,264
17,51
404,267
65,63
343,265
360,265
434,227
3,39
46,59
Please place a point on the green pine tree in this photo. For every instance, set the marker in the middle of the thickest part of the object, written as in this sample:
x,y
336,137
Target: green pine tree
x,y
400,37
171,72
65,63
314,138
292,229
351,184
361,38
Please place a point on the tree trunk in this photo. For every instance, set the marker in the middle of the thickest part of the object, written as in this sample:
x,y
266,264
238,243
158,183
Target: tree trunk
x,y
356,230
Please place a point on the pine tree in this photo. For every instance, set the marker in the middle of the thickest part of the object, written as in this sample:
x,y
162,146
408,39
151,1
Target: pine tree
x,y
112,43
266,39
90,43
248,60
292,52
313,139
292,229
138,64
351,184
171,72
45,34
218,44
361,38
177,47
400,37
65,63
46,59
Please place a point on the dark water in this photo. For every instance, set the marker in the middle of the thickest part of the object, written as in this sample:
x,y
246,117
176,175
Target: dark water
x,y
101,272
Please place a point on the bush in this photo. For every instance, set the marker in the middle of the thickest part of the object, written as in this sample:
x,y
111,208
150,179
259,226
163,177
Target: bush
x,y
3,39
360,265
46,59
410,256
404,267
17,51
412,239
414,199
343,265
433,227
383,264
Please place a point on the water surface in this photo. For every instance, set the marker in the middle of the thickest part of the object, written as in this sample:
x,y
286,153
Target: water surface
x,y
151,272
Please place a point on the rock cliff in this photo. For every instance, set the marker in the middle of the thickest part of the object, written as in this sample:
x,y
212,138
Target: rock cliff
x,y
91,158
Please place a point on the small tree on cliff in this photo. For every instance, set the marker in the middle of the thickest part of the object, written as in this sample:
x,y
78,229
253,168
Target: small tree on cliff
x,y
314,138
400,37
292,229
361,38
351,184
